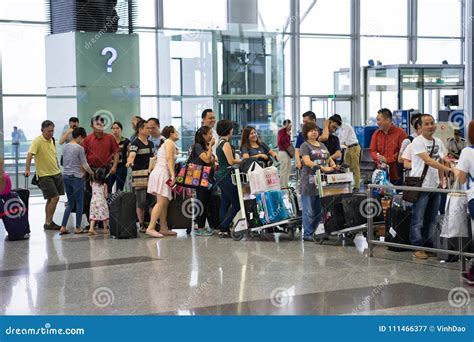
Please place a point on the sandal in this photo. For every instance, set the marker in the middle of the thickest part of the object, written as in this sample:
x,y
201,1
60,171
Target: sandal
x,y
63,232
154,234
91,233
79,231
168,232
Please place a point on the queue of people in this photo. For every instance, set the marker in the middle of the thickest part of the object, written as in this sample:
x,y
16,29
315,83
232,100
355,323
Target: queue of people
x,y
96,163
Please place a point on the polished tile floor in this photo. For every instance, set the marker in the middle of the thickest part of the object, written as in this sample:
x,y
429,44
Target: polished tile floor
x,y
189,275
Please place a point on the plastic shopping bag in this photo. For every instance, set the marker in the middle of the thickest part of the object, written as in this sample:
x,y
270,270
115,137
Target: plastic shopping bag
x,y
380,177
257,179
272,178
455,219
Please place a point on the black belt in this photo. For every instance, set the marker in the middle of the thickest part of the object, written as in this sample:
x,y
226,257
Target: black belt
x,y
353,145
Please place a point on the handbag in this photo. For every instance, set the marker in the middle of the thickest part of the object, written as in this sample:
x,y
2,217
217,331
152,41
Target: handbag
x,y
412,196
191,175
290,150
455,219
272,178
140,179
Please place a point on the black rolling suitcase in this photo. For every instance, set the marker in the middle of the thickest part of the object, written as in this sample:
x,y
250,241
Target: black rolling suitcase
x,y
123,216
180,213
397,227
333,213
357,209
14,213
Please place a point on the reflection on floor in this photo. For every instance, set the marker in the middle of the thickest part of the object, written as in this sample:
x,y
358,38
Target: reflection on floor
x,y
50,274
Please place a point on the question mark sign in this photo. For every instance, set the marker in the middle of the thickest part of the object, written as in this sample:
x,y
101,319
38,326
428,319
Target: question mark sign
x,y
112,58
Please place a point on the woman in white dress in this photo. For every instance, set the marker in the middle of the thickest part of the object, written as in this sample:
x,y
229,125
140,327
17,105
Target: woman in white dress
x,y
161,181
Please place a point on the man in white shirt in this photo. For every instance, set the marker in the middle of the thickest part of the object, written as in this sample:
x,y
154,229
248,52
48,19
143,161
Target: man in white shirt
x,y
153,125
425,210
209,119
348,138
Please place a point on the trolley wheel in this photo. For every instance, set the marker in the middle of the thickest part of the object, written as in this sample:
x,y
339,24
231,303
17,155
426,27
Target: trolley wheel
x,y
237,236
291,233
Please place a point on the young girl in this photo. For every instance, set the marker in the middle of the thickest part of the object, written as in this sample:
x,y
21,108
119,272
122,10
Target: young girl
x,y
99,209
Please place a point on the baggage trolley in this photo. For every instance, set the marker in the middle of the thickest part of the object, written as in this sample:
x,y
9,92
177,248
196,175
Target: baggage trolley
x,y
330,185
241,225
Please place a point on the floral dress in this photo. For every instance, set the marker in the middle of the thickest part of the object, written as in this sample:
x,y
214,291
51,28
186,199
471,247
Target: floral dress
x,y
99,209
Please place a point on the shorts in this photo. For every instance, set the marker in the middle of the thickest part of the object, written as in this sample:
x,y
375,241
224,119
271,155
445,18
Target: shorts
x,y
51,186
141,194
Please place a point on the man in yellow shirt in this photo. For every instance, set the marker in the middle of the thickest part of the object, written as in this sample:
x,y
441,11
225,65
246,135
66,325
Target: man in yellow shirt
x,y
50,180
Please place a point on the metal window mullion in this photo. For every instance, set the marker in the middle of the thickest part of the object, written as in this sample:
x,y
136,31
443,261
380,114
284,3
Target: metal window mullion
x,y
295,59
355,63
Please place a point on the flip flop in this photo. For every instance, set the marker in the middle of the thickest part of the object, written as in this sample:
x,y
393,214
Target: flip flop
x,y
77,232
91,233
169,233
154,234
64,233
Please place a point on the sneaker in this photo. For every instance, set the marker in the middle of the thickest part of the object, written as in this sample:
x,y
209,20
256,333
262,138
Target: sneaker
x,y
203,232
308,238
142,229
431,255
420,255
355,190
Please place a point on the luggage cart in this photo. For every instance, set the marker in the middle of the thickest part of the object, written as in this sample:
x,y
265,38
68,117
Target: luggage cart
x,y
241,225
330,185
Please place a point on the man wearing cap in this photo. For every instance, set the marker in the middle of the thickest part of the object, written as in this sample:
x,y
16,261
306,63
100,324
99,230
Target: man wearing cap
x,y
456,144
348,138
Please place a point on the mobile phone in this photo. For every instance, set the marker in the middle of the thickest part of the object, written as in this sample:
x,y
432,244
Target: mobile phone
x,y
168,182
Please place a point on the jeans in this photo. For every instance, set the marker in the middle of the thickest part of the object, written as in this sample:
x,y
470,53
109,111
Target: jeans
x,y
312,214
75,197
230,204
120,176
423,219
204,197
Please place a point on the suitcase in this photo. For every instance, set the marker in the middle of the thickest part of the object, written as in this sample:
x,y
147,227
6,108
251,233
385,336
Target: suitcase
x,y
123,216
180,214
397,227
272,207
333,213
291,202
213,210
14,214
24,193
356,210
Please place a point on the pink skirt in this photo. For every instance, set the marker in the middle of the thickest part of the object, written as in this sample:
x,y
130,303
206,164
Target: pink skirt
x,y
157,182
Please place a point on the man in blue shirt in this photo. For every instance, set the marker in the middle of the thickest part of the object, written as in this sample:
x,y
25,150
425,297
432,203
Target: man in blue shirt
x,y
308,117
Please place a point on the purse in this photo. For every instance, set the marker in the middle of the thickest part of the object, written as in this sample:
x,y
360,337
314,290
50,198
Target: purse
x,y
190,175
412,196
290,150
140,179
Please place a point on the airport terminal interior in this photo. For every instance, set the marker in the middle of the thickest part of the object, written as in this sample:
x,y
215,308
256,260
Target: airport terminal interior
x,y
337,71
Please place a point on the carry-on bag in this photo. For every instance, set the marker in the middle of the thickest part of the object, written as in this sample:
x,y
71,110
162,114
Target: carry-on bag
x,y
14,214
397,227
123,217
333,213
180,212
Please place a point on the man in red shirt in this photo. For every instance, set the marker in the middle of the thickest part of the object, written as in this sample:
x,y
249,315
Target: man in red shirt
x,y
386,142
101,148
102,151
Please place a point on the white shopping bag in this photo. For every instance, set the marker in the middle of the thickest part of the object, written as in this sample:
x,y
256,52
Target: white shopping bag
x,y
257,179
455,218
272,178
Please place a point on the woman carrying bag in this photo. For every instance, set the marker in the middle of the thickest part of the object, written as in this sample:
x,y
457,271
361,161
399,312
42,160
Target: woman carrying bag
x,y
201,154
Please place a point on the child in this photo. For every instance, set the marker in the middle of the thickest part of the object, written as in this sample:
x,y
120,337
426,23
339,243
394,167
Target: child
x,y
99,210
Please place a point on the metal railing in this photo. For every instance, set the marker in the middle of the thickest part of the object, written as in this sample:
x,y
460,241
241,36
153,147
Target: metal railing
x,y
370,225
